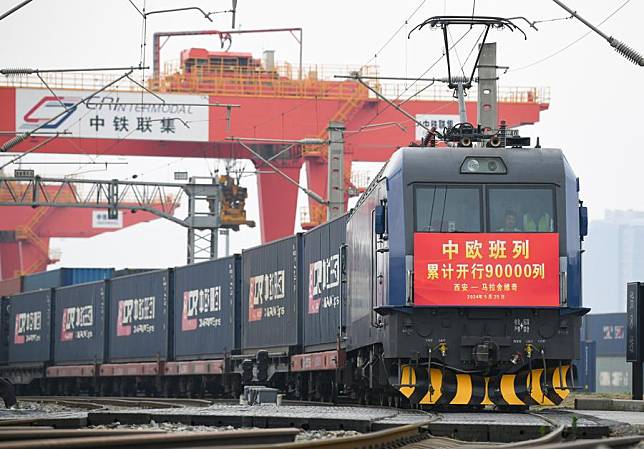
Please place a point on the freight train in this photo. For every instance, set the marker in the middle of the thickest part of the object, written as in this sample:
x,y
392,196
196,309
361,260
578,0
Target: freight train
x,y
454,281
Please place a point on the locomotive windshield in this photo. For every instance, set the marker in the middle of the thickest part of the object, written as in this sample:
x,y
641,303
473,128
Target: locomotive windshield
x,y
441,208
520,209
448,209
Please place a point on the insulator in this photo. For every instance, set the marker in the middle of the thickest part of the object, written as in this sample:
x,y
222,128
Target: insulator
x,y
13,142
460,79
17,71
627,52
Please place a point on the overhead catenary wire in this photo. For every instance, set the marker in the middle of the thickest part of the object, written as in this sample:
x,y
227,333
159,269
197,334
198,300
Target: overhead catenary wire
x,y
31,150
567,46
620,47
556,19
392,37
419,78
19,138
15,8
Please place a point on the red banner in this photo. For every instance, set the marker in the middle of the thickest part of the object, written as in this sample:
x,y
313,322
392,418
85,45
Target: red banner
x,y
501,269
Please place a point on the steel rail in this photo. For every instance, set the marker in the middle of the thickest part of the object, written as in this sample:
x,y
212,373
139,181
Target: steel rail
x,y
40,433
160,440
382,439
615,442
120,401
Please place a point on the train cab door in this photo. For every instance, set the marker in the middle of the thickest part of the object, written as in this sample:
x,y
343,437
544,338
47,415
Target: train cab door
x,y
380,261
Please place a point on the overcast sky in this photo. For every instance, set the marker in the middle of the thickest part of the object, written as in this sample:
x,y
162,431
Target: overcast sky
x,y
595,114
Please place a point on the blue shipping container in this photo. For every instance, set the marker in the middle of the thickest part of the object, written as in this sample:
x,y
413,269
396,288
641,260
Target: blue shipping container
x,y
30,327
64,276
206,309
609,331
587,367
139,319
79,323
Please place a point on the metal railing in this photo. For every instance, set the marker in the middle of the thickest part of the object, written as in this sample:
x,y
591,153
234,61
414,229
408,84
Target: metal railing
x,y
440,92
317,82
71,81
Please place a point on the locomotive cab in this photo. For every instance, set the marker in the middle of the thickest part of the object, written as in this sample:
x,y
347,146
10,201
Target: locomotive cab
x,y
468,287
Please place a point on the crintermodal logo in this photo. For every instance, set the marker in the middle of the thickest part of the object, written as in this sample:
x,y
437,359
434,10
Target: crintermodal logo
x,y
46,109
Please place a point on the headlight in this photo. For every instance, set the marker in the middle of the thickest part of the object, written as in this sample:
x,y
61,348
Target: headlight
x,y
484,165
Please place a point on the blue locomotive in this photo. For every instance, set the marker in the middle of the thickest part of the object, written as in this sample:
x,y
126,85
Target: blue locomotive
x,y
455,281
464,276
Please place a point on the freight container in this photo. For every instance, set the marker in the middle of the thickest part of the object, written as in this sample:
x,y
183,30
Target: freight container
x,y
206,309
586,367
30,327
271,286
129,271
609,331
613,375
11,286
4,330
320,304
64,276
79,324
138,317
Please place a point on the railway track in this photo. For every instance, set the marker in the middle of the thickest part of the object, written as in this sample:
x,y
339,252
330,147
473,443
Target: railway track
x,y
38,438
413,436
95,402
26,433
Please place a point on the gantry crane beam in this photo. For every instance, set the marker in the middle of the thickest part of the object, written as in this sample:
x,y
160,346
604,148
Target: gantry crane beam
x,y
158,198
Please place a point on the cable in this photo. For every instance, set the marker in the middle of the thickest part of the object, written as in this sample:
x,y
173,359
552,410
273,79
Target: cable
x,y
552,20
394,35
566,47
418,79
15,8
473,48
456,53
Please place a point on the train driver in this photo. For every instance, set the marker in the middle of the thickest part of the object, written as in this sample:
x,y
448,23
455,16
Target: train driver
x,y
510,222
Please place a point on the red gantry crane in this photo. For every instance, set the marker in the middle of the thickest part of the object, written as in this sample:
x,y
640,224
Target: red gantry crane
x,y
277,102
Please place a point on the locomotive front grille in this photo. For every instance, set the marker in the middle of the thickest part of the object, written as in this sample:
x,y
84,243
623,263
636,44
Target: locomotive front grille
x,y
525,388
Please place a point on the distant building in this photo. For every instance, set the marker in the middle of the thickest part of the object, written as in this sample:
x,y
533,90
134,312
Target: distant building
x,y
614,256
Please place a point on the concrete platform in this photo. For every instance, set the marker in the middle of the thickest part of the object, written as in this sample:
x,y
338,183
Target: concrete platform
x,y
59,420
617,405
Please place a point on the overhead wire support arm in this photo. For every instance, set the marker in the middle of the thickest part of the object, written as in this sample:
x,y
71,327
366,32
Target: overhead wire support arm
x,y
359,79
189,8
21,137
621,48
308,192
29,71
29,151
